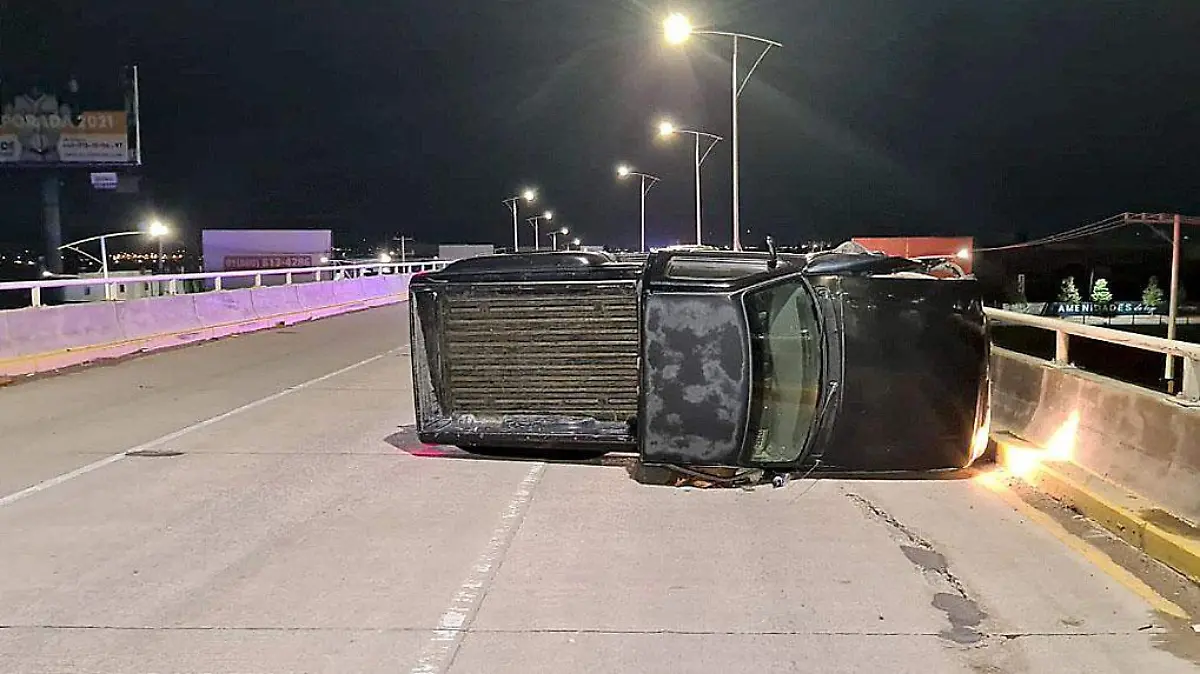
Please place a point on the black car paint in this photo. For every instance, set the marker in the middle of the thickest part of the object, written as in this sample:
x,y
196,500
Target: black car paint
x,y
905,360
915,364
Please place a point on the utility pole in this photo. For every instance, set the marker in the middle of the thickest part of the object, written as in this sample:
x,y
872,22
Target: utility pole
x,y
1176,249
1177,222
404,251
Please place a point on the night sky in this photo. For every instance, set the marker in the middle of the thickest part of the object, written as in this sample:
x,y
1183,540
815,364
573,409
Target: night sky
x,y
380,118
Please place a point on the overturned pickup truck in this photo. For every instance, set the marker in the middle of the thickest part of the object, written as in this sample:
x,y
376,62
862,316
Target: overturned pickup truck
x,y
844,359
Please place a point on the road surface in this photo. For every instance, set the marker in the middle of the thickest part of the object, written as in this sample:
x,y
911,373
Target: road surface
x,y
260,505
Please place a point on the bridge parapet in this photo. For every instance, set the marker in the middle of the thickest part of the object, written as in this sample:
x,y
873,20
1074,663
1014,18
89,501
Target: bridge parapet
x,y
1140,439
44,338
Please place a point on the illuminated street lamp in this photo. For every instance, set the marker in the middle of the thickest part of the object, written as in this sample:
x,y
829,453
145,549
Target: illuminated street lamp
x,y
529,196
648,181
155,229
555,234
667,128
158,230
547,216
677,29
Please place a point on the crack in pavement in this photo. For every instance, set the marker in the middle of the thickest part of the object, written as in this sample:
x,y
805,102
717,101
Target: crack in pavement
x,y
961,610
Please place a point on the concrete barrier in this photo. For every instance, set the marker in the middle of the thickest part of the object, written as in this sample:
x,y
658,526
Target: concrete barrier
x,y
385,285
1141,440
175,315
8,347
225,307
41,339
350,290
278,301
313,296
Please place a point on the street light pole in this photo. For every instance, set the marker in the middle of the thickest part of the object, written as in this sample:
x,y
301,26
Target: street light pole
x,y
511,202
104,266
554,236
737,209
644,190
516,235
666,128
537,242
157,230
699,231
678,29
624,171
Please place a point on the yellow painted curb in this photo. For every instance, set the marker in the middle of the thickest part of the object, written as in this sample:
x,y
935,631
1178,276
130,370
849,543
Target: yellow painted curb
x,y
1129,516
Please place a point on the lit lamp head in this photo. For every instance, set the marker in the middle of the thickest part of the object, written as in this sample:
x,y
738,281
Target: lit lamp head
x,y
677,28
564,230
548,215
666,128
623,170
529,195
576,242
157,229
385,257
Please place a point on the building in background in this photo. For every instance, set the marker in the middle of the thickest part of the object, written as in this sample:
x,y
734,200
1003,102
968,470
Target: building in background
x,y
120,290
459,251
958,249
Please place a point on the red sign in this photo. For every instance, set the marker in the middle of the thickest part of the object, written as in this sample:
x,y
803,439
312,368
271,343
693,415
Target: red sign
x,y
251,262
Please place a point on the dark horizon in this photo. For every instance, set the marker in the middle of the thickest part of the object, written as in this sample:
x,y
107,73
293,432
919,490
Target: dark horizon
x,y
419,119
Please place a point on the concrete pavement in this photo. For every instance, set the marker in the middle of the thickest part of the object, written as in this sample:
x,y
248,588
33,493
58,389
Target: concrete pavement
x,y
307,531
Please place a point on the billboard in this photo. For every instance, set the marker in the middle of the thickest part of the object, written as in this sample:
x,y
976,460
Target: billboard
x,y
76,121
255,249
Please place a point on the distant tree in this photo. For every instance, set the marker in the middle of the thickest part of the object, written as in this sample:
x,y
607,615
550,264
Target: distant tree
x,y
1068,293
1153,294
1100,292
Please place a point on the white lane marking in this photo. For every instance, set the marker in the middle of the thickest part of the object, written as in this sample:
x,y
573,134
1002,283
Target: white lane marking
x,y
55,481
440,650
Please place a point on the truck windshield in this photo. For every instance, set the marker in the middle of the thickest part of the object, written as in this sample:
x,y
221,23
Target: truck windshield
x,y
785,347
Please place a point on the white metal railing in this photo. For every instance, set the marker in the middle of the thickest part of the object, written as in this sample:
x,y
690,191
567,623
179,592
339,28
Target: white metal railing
x,y
172,281
1063,330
